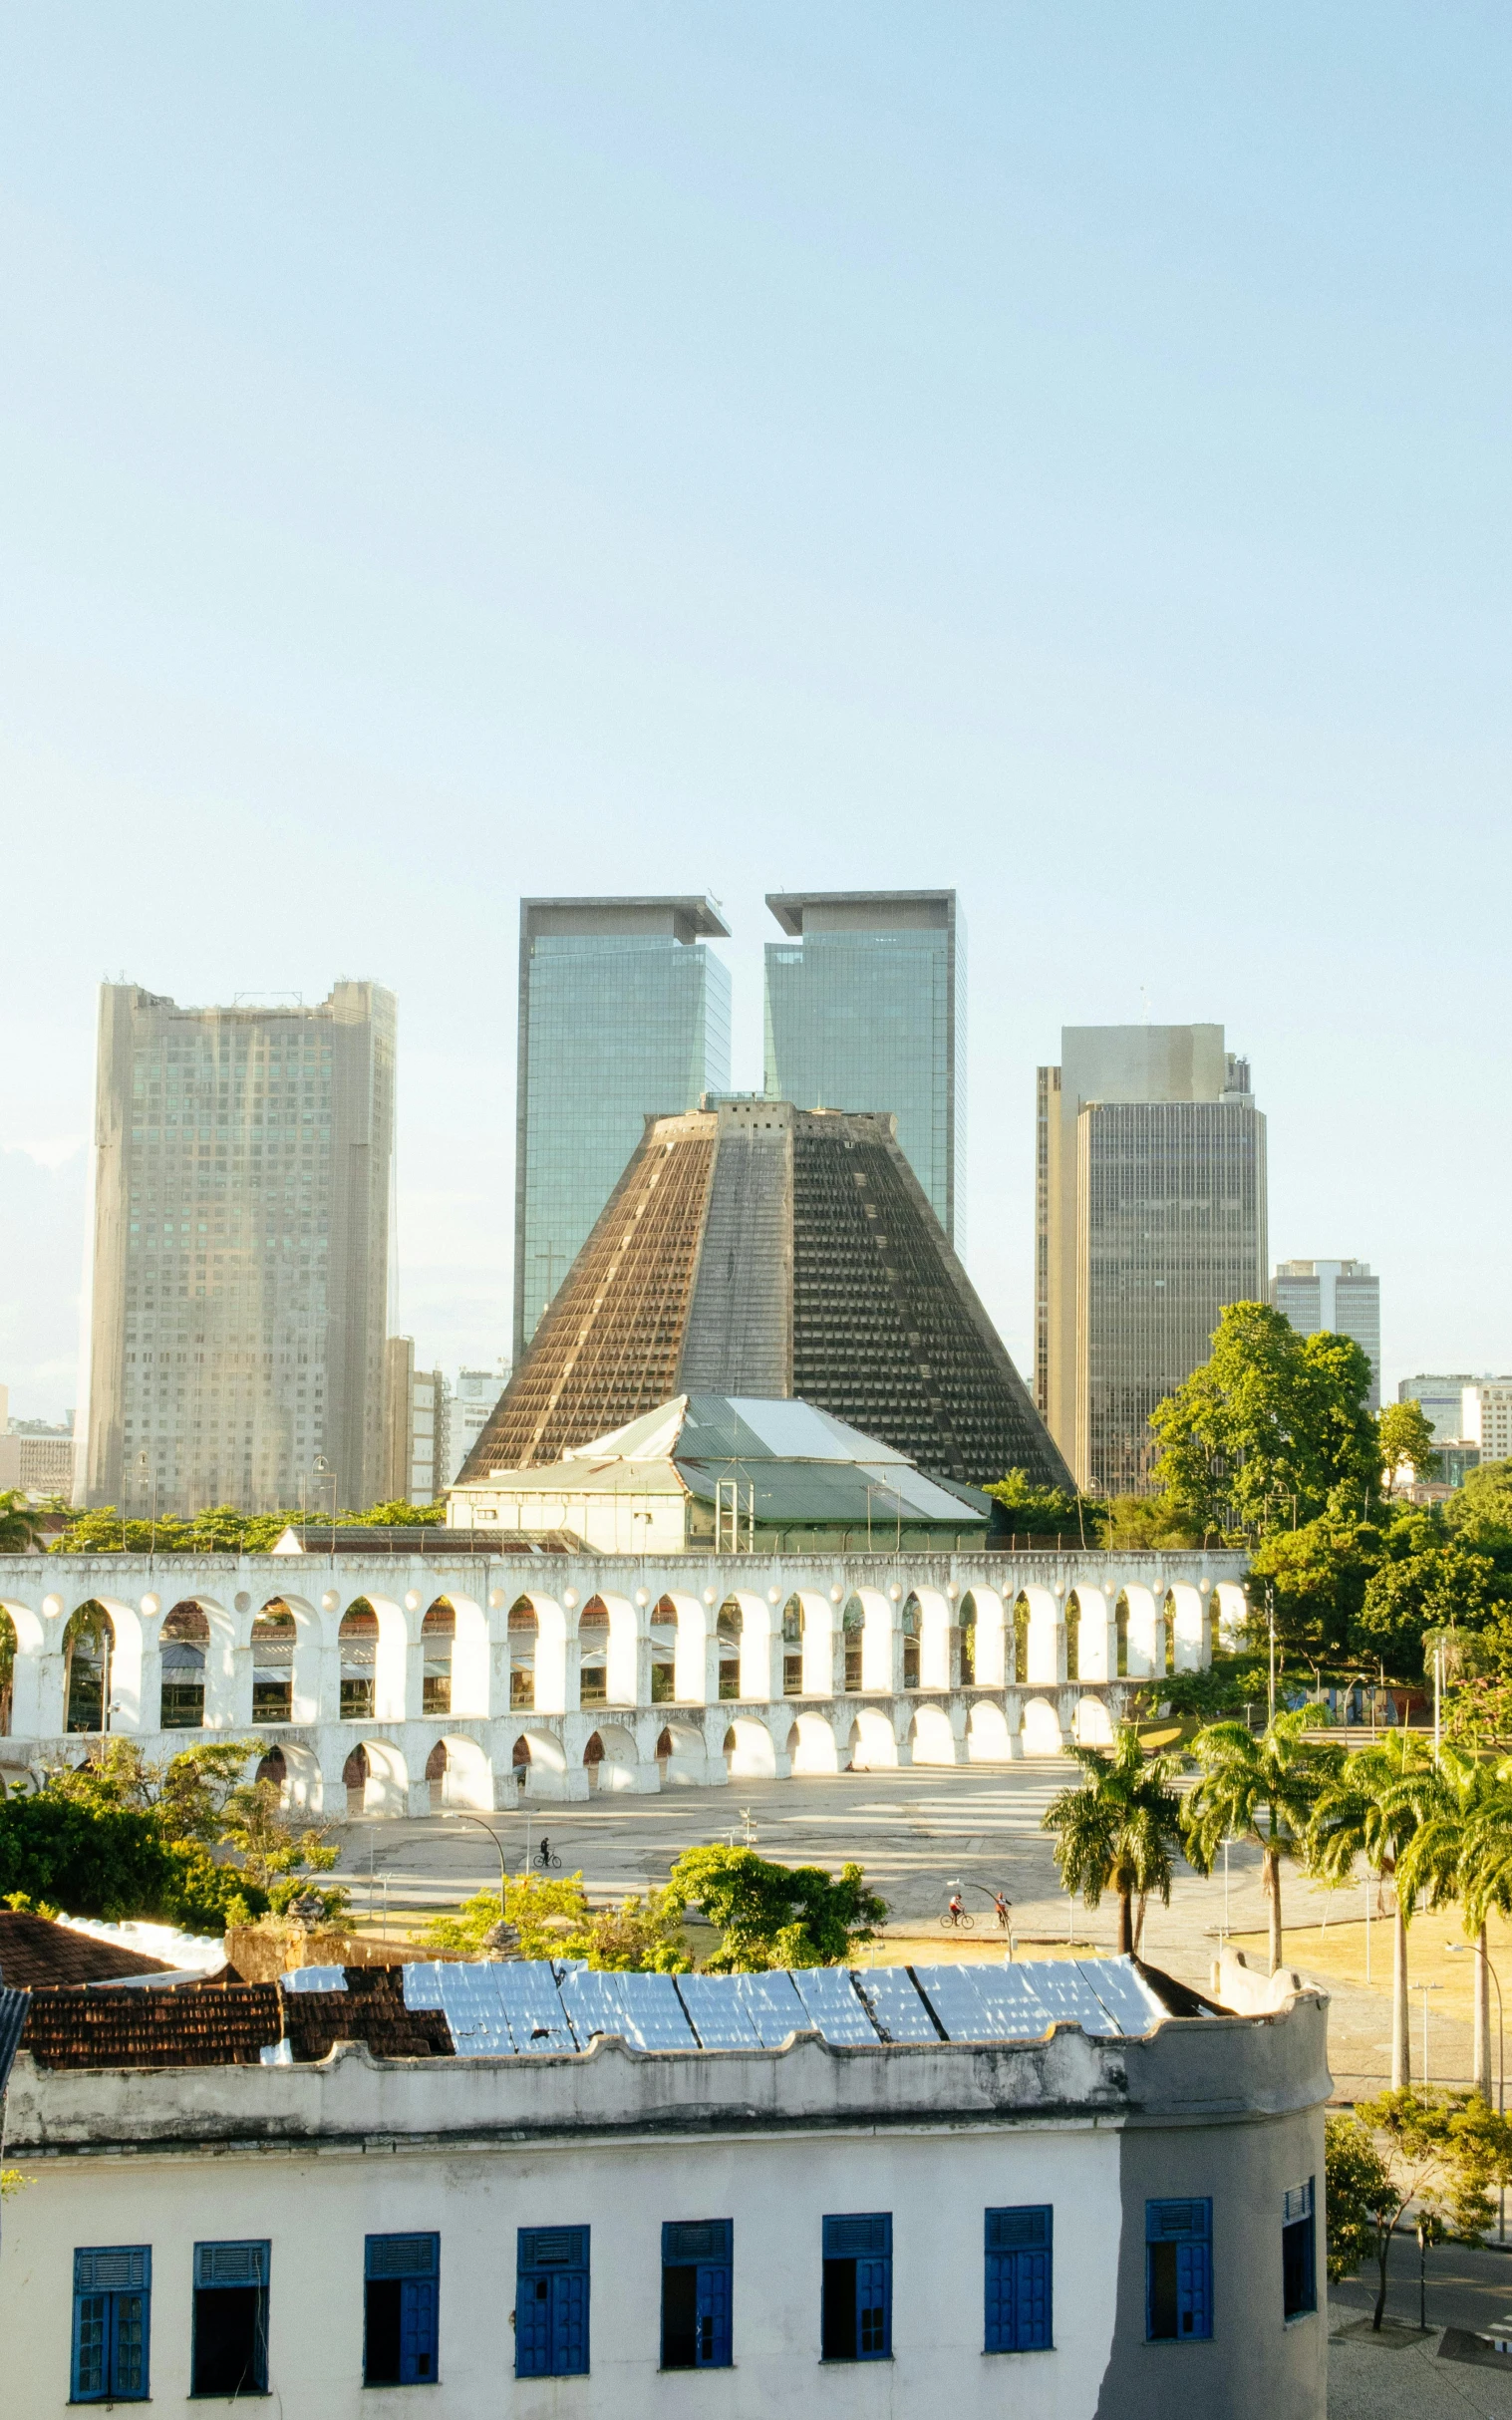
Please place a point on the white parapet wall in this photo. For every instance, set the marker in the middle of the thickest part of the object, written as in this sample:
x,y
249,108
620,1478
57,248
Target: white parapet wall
x,y
603,1671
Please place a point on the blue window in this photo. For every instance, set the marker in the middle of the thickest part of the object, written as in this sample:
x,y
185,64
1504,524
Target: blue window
x,y
1179,2238
1017,2281
230,2352
856,2317
696,2278
551,2303
1299,2252
113,2292
400,2278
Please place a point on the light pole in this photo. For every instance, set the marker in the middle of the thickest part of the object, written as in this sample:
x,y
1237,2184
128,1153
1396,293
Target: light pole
x,y
1425,1988
1456,1948
459,1815
144,1467
1270,1616
323,1471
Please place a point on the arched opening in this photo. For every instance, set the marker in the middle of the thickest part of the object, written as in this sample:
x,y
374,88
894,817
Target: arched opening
x,y
273,1664
354,1776
931,1737
988,1739
1042,1730
812,1746
7,1671
185,1639
1073,1636
358,1642
273,1770
732,1623
853,1624
1121,1623
968,1641
438,1637
522,1634
793,1647
1019,1655
89,1644
593,1655
911,1628
664,1654
435,1776
1168,1608
593,1757
1093,1728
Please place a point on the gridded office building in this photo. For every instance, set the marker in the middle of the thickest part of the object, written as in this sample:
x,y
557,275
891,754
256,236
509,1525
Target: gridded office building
x,y
1151,1217
241,1240
866,1010
756,1248
1339,1296
623,1015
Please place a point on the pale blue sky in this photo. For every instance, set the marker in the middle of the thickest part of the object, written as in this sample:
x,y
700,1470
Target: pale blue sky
x,y
454,452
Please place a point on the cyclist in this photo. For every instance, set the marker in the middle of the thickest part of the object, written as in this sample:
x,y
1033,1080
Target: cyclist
x,y
545,1849
957,1907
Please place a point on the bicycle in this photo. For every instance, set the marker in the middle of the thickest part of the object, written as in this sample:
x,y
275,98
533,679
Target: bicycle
x,y
545,1860
956,1919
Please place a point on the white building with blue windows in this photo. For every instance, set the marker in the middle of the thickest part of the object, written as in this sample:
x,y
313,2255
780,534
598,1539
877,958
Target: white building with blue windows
x,y
1067,2190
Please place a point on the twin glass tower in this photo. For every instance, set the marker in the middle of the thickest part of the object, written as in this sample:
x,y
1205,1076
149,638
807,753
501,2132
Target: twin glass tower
x,y
624,1013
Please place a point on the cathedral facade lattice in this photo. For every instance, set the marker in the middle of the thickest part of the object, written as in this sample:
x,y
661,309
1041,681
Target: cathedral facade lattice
x,y
756,1249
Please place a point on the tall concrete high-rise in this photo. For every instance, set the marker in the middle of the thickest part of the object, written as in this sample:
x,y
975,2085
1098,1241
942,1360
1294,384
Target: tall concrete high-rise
x,y
1151,1216
866,1010
622,1016
1341,1297
242,1162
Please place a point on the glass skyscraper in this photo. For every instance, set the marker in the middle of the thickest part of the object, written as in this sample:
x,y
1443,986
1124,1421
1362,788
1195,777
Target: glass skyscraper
x,y
866,1010
622,1016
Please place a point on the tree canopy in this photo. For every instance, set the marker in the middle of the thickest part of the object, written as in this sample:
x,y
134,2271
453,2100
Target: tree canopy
x,y
1270,1428
1116,1832
773,1915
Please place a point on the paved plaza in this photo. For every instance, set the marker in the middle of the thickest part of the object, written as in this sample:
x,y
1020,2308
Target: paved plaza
x,y
917,1832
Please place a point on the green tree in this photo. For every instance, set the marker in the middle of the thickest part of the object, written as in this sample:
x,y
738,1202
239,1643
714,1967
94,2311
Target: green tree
x,y
274,1857
551,1917
1262,1789
1261,1436
1407,1444
1319,1573
1479,1513
1371,1809
109,1861
19,1522
1116,1832
1143,1522
1040,1512
401,1514
1441,2151
105,1532
1425,1580
1461,1850
773,1915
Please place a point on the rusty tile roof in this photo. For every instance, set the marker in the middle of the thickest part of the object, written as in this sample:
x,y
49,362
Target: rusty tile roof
x,y
219,2024
35,1951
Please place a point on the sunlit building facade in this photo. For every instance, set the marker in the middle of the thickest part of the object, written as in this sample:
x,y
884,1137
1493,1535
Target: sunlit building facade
x,y
865,1009
243,1157
1341,1298
623,1015
1150,1218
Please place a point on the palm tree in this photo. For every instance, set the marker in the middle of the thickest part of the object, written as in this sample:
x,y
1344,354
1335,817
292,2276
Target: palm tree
x,y
1261,1790
1463,1850
19,1522
1372,1810
1116,1832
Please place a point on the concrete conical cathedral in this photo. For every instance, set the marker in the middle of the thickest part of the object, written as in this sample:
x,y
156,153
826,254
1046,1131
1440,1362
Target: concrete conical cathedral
x,y
756,1249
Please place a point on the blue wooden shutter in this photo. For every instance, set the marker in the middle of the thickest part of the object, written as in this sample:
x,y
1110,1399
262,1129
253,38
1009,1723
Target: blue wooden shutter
x,y
1194,2295
551,2303
111,2310
416,2261
1188,2228
1018,2279
873,2310
712,2315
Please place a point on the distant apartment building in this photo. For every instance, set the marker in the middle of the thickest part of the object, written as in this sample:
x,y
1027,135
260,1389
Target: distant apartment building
x,y
624,1013
36,1456
241,1251
473,1401
865,1009
1151,1217
416,1428
1341,1297
1441,1396
1485,1417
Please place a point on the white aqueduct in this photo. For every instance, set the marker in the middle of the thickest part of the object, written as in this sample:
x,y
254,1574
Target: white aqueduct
x,y
397,1685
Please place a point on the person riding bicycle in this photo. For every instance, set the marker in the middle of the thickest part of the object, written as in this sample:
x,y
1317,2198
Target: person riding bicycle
x,y
957,1907
545,1849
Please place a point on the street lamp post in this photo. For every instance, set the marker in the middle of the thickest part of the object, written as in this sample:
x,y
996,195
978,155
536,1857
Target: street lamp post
x,y
146,1469
323,1471
460,1815
1457,1948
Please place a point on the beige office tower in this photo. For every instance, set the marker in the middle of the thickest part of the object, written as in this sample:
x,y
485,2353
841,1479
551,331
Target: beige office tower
x,y
244,1158
1151,1216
